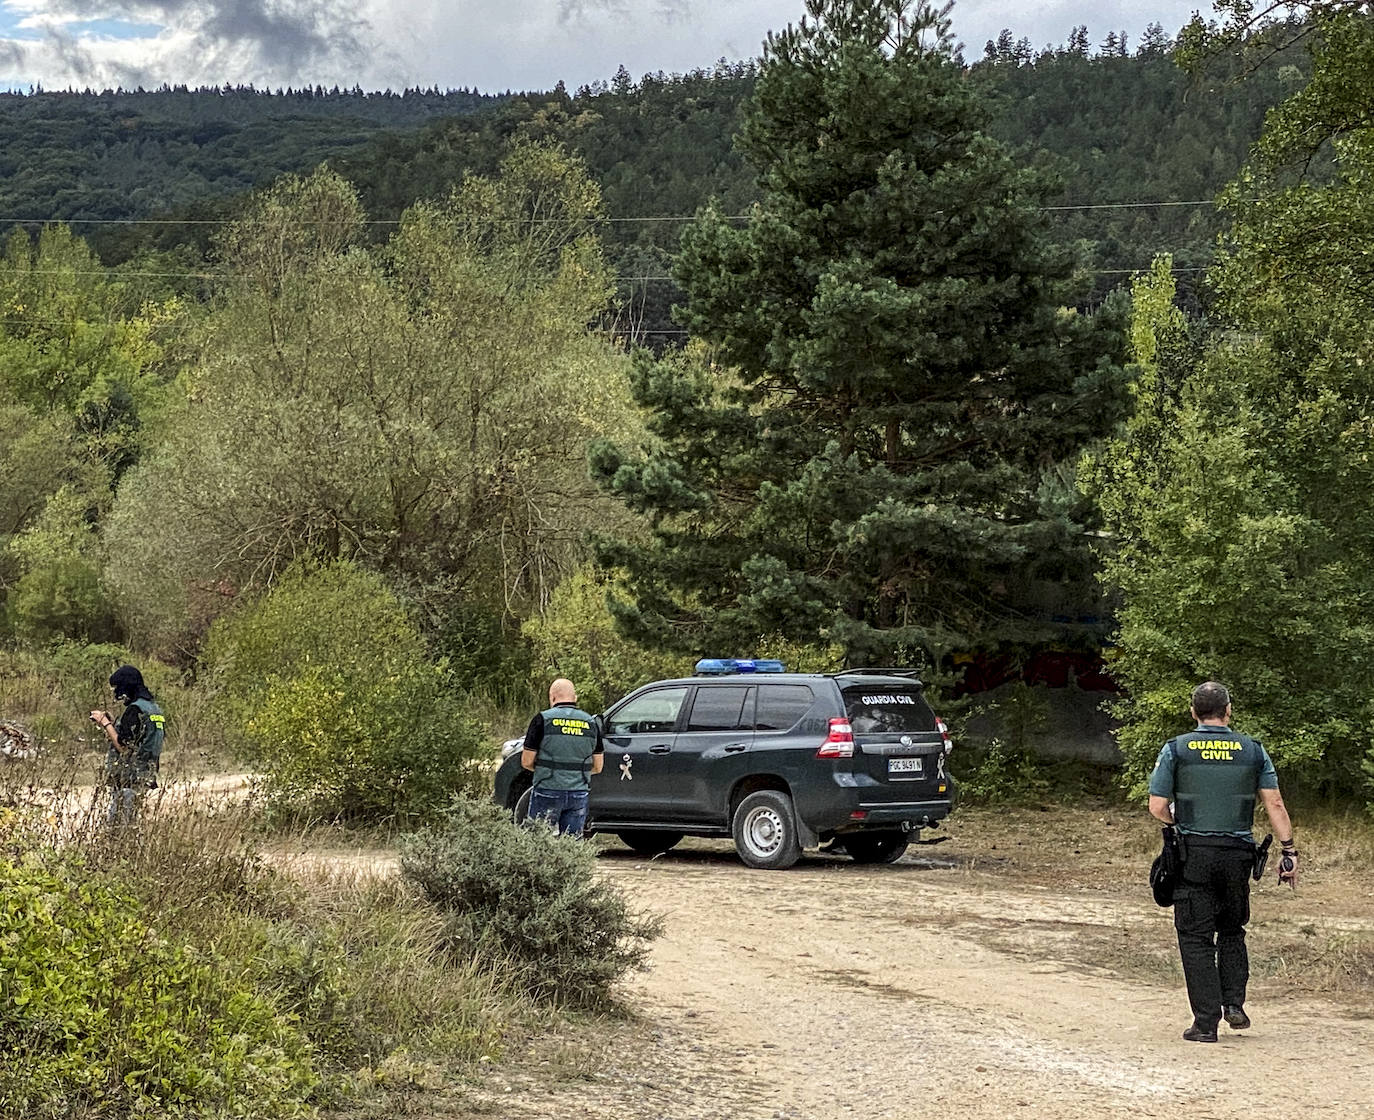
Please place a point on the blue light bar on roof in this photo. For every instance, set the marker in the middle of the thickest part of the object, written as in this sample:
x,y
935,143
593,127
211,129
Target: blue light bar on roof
x,y
722,666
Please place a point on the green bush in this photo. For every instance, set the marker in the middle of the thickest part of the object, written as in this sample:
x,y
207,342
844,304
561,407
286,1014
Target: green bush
x,y
998,775
327,685
529,902
485,657
99,1013
576,638
61,592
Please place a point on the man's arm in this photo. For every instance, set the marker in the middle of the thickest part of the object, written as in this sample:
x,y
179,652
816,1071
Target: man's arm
x,y
1162,785
1278,816
1283,829
1159,809
599,750
534,736
107,727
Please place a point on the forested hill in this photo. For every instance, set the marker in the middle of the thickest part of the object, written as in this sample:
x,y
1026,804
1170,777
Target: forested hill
x,y
128,154
1141,146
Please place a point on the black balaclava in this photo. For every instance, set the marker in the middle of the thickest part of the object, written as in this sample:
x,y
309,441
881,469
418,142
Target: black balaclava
x,y
128,685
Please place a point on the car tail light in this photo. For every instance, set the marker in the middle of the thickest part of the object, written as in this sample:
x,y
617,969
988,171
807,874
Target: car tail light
x,y
840,742
944,736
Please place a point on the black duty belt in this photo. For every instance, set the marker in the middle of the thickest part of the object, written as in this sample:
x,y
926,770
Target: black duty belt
x,y
1204,840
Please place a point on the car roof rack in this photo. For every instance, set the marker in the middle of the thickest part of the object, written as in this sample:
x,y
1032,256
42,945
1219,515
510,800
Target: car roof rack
x,y
880,672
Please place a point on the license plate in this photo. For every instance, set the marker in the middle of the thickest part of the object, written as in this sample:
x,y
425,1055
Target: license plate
x,y
904,767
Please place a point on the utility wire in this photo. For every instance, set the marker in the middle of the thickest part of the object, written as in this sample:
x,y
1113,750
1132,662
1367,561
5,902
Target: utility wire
x,y
527,221
114,274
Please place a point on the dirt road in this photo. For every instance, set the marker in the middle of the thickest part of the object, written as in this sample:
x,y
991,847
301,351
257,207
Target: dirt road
x,y
947,985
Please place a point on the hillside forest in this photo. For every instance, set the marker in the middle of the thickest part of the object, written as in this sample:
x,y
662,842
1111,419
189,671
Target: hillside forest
x,y
321,403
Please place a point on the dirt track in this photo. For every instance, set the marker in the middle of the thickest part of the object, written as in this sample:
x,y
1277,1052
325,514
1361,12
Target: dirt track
x,y
834,991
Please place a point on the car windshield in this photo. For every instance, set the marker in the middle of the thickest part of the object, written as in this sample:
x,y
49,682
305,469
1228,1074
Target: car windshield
x,y
887,709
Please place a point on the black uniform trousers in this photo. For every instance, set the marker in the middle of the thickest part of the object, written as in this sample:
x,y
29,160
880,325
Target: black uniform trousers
x,y
1211,907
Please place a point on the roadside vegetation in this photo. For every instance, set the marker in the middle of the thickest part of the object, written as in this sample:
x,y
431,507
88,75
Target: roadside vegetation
x,y
179,966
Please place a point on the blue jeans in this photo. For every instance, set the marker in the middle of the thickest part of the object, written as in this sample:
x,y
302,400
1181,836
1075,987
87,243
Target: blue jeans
x,y
564,809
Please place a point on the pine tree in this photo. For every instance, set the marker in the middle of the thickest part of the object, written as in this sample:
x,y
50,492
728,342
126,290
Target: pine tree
x,y
873,449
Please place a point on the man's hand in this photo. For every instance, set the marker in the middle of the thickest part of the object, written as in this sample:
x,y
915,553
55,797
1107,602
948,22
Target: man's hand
x,y
1288,867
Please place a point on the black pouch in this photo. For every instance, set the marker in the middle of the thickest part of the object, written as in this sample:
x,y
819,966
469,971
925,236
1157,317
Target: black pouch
x,y
1167,870
1261,858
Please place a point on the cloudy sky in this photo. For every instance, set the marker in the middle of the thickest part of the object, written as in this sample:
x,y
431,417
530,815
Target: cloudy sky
x,y
490,44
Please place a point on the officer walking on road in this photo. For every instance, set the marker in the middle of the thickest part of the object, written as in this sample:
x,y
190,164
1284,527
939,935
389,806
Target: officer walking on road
x,y
1205,782
563,747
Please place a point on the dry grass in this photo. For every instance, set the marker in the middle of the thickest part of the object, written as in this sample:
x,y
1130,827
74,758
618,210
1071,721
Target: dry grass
x,y
1318,939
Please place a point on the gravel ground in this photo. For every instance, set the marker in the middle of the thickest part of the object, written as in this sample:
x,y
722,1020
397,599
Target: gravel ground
x,y
991,976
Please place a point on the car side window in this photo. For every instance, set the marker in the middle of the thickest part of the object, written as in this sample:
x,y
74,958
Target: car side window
x,y
780,706
720,708
649,713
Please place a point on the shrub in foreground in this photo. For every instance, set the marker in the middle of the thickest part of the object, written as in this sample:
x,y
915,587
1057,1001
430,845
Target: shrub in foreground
x,y
99,1015
530,902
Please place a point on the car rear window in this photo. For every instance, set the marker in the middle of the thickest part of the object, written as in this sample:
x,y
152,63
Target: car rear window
x,y
719,708
887,708
780,706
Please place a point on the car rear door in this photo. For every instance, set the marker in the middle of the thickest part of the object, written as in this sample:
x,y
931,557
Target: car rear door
x,y
898,741
711,751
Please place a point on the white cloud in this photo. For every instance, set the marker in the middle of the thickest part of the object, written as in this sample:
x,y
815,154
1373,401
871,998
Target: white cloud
x,y
490,44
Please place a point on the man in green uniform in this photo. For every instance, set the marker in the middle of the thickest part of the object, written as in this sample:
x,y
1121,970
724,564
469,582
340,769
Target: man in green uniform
x,y
563,747
1206,782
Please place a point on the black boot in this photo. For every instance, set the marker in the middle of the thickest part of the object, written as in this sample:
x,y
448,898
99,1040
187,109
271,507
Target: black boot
x,y
1197,1034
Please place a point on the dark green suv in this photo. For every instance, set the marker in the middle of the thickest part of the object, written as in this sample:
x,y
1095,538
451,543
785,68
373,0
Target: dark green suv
x,y
778,761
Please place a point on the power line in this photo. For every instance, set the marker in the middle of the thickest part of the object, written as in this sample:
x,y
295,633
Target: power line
x,y
115,274
531,221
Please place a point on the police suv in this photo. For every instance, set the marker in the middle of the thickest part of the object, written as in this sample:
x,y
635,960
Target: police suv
x,y
779,761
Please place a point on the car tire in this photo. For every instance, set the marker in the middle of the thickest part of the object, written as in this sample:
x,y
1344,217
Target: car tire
x,y
876,847
522,807
765,831
648,841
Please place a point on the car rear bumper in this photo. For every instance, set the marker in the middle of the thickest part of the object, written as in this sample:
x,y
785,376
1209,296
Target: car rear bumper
x,y
912,814
848,806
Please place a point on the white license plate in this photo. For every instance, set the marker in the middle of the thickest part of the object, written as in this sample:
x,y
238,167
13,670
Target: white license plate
x,y
907,767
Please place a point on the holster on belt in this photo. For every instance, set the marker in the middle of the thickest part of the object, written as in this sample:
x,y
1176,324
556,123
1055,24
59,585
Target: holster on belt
x,y
1261,858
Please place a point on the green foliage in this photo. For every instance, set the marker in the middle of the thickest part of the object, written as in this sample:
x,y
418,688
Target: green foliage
x,y
530,901
328,685
1240,550
999,774
136,153
363,967
575,637
485,654
875,451
79,341
60,593
1240,535
98,1012
418,408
